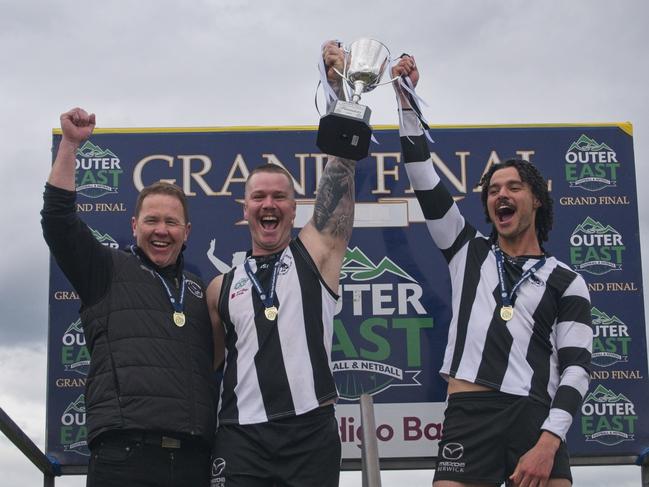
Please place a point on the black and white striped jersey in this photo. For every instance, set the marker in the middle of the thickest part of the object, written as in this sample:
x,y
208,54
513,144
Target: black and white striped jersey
x,y
276,368
544,351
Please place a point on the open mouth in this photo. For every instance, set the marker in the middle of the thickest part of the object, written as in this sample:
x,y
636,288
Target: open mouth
x,y
505,212
159,244
269,222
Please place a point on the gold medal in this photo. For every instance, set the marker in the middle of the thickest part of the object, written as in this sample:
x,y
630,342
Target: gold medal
x,y
506,313
179,319
271,313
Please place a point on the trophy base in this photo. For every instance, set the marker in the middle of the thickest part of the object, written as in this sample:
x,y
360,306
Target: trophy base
x,y
345,131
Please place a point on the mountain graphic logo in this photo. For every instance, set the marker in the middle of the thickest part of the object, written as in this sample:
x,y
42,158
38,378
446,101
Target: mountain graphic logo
x,y
359,369
77,406
608,418
591,165
98,171
90,150
591,226
104,239
611,342
586,144
75,356
75,327
603,395
596,248
359,267
74,435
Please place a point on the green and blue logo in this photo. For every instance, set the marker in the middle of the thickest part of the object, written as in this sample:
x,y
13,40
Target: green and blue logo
x,y
591,165
75,356
608,418
74,433
379,327
98,171
596,248
611,340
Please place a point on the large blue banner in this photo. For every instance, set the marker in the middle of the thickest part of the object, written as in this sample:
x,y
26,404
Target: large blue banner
x,y
393,315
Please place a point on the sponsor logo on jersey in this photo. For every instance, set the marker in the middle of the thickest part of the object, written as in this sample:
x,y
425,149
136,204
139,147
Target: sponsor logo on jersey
x,y
450,455
194,288
217,478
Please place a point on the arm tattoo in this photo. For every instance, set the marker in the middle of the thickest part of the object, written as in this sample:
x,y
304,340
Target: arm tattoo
x,y
333,212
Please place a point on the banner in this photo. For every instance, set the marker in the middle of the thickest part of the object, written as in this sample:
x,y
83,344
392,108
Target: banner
x,y
392,319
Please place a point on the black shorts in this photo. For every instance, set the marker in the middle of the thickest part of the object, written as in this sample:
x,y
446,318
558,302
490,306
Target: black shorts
x,y
301,451
485,434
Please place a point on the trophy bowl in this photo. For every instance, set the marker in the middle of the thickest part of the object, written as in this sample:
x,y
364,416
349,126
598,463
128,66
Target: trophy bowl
x,y
367,61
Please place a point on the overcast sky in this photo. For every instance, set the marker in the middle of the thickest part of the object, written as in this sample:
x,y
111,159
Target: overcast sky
x,y
161,63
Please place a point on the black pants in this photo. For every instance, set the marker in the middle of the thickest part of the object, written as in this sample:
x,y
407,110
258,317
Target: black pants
x,y
139,459
301,451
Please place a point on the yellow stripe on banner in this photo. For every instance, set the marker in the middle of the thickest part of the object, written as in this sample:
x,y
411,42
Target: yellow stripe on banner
x,y
626,127
166,130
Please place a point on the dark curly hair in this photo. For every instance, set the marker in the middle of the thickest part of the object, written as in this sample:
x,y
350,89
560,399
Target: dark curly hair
x,y
529,174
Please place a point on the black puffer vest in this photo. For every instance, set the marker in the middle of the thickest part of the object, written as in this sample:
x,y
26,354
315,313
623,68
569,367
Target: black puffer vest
x,y
146,373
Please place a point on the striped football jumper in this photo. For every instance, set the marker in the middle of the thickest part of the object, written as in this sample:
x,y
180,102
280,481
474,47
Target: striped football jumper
x,y
280,368
544,351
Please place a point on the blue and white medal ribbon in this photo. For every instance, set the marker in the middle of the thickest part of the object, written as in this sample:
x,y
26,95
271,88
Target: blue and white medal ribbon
x,y
177,304
267,298
507,309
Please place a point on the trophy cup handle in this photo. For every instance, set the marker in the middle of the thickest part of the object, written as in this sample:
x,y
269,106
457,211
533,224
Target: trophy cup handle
x,y
340,74
389,81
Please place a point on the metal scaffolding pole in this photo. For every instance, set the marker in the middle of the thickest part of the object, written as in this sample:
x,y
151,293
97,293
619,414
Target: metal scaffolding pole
x,y
369,446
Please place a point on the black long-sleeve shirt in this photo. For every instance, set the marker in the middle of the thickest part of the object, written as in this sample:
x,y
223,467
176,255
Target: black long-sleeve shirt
x,y
84,261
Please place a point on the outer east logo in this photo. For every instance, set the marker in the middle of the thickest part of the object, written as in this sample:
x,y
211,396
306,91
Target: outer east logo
x,y
608,418
97,171
591,165
611,340
74,433
378,329
105,239
75,356
596,248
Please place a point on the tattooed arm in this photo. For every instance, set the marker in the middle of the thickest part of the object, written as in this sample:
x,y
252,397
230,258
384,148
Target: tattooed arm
x,y
328,232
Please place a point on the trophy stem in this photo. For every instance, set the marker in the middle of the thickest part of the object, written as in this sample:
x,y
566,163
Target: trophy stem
x,y
359,86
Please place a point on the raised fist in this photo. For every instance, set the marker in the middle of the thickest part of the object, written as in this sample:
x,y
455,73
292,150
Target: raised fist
x,y
77,125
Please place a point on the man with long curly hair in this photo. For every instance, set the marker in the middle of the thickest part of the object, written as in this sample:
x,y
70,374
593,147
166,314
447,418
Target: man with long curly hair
x,y
519,345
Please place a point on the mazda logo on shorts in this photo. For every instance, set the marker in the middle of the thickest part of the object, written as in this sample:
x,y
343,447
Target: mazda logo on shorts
x,y
217,467
452,451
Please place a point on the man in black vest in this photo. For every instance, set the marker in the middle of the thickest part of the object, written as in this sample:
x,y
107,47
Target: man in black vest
x,y
150,395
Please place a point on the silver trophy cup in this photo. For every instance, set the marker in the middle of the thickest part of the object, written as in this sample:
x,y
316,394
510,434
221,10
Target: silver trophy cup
x,y
367,60
345,131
